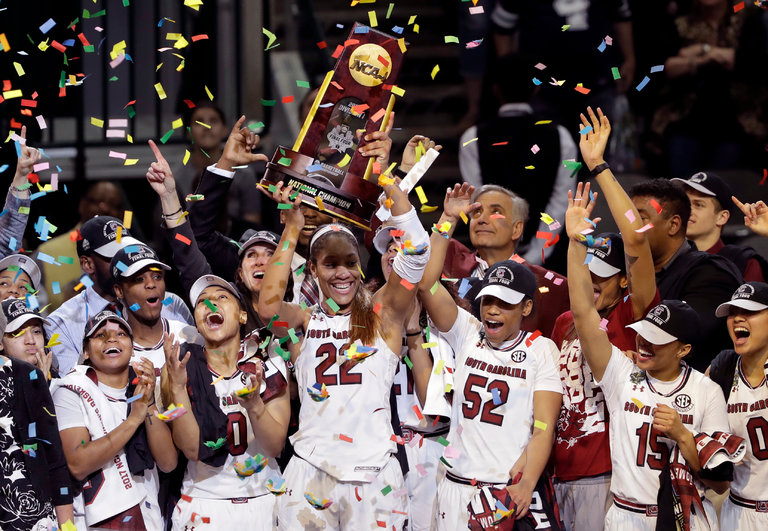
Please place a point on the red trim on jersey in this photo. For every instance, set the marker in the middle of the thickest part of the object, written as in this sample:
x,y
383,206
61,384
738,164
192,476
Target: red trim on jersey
x,y
515,342
687,371
744,378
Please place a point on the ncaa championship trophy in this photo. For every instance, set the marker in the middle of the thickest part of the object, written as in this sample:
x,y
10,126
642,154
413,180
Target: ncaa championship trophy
x,y
355,99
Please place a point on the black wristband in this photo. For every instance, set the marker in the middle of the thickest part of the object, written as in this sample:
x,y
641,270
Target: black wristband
x,y
399,173
414,334
165,216
597,170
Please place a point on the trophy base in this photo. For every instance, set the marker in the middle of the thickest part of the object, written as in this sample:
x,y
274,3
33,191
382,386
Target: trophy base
x,y
354,201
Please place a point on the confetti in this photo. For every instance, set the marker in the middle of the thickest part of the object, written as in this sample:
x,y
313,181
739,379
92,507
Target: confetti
x,y
250,465
317,503
276,486
172,413
318,392
539,424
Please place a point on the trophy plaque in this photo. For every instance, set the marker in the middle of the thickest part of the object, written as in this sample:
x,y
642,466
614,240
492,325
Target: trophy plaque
x,y
355,99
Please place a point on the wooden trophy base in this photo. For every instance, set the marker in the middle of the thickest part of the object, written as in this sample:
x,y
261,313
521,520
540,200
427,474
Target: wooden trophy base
x,y
354,201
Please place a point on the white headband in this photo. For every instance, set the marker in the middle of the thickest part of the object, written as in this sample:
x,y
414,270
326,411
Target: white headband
x,y
326,229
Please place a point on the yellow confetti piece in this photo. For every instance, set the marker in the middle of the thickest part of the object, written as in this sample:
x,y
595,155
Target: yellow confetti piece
x,y
181,43
72,80
539,425
431,344
543,122
343,162
546,218
127,219
639,404
397,91
448,388
43,45
178,122
194,4
19,68
464,217
439,367
129,138
68,526
173,36
186,157
117,49
427,209
530,167
204,125
119,234
160,91
372,19
401,43
158,67
96,122
319,201
412,19
415,28
435,70
4,43
130,162
217,380
385,181
544,289
469,142
421,194
207,91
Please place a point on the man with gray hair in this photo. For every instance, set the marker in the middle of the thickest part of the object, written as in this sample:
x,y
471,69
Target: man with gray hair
x,y
494,230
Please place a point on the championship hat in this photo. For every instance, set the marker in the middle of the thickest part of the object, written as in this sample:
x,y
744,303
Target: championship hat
x,y
15,314
668,321
752,296
508,281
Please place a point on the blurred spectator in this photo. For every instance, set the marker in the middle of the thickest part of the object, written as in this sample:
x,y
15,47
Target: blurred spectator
x,y
519,152
103,198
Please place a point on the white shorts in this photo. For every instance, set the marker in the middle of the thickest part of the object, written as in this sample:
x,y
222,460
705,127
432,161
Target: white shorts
x,y
736,517
452,501
422,489
225,514
619,519
584,502
355,505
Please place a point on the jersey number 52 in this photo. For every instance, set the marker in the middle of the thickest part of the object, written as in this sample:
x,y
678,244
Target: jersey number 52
x,y
472,400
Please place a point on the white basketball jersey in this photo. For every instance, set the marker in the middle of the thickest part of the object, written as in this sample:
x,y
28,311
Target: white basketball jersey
x,y
638,452
492,410
201,480
349,434
155,353
748,418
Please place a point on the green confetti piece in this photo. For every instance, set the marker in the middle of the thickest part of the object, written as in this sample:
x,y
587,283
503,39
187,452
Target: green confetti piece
x,y
88,49
282,340
389,9
615,72
285,245
166,136
282,151
24,186
214,445
442,440
445,462
386,490
204,153
427,334
211,306
131,112
24,210
257,125
275,318
451,38
30,289
284,206
332,304
272,188
279,263
268,103
265,343
126,3
304,305
113,78
572,165
294,195
300,270
293,336
284,161
434,288
282,353
302,84
408,361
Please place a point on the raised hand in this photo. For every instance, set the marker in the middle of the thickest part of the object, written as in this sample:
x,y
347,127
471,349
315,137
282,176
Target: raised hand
x,y
755,216
459,199
379,144
293,216
159,174
580,207
44,360
146,373
26,161
592,144
409,153
175,367
239,147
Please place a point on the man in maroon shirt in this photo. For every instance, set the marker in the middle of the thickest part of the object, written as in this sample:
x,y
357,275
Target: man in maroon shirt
x,y
494,230
710,210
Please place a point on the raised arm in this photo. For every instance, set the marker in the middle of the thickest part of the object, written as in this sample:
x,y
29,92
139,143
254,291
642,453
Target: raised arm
x,y
14,221
755,216
641,276
594,341
278,270
437,301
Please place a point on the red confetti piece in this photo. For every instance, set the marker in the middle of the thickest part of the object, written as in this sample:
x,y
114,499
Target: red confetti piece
x,y
337,85
552,242
322,45
186,498
407,285
583,90
183,239
33,178
58,46
287,99
281,323
75,236
383,61
656,206
15,124
83,39
359,109
738,7
28,103
500,144
350,42
543,235
381,524
765,176
378,115
134,101
345,438
377,307
357,495
396,233
532,337
418,412
201,37
190,104
6,84
517,258
337,52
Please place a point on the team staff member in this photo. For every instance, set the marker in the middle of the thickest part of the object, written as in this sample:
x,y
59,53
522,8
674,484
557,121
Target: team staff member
x,y
658,396
743,375
111,437
328,463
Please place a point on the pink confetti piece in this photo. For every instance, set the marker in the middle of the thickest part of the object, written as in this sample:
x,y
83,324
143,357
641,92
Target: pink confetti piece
x,y
645,227
476,10
40,167
540,66
554,226
550,275
55,182
557,281
608,40
117,60
630,215
115,133
41,122
117,122
421,470
117,155
451,452
535,149
604,324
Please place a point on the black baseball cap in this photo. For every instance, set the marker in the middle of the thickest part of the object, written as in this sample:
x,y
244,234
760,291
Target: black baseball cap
x,y
608,261
95,322
99,235
133,258
752,296
710,184
252,237
508,281
15,314
668,321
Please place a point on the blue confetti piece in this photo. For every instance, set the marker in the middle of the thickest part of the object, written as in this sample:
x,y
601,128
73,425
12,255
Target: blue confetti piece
x,y
37,195
130,249
657,68
586,130
536,81
55,287
362,29
588,258
602,46
464,287
135,307
58,168
46,26
64,491
3,168
127,518
12,243
69,42
134,398
324,105
33,374
48,259
340,26
18,149
397,29
121,266
642,84
314,167
86,281
32,430
496,397
32,302
167,301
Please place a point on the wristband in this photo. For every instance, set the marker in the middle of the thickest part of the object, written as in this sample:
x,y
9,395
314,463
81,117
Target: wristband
x,y
412,334
597,170
397,172
166,216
